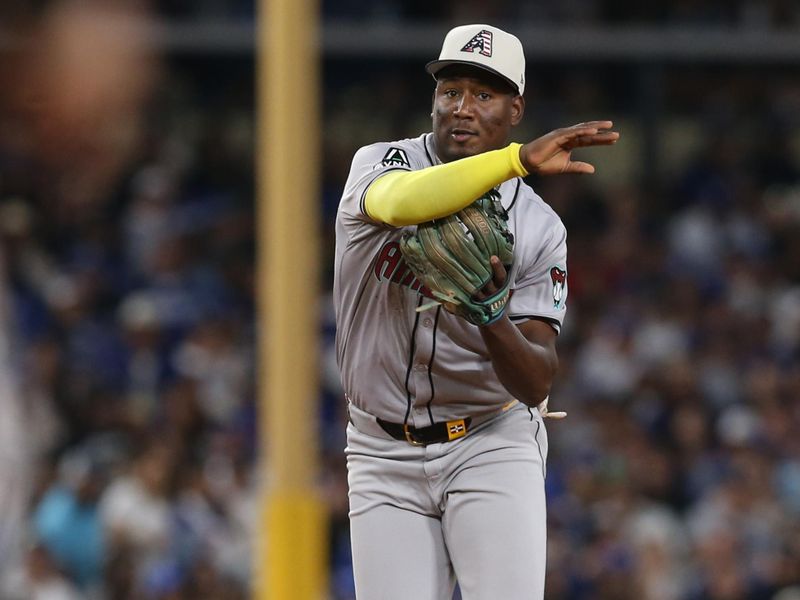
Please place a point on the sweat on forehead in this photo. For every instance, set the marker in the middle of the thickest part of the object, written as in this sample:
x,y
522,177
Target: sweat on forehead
x,y
458,71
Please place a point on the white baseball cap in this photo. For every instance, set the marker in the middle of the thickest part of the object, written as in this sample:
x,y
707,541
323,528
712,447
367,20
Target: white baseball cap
x,y
486,47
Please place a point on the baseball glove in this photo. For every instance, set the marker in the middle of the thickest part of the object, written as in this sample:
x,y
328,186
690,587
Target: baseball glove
x,y
451,256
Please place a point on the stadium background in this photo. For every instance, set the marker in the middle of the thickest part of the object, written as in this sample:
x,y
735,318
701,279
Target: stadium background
x,y
130,316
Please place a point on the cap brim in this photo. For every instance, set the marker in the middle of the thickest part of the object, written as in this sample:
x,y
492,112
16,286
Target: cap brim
x,y
435,66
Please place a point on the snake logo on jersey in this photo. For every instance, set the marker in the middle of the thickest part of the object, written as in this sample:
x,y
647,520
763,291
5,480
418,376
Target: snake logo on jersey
x,y
390,266
559,279
482,42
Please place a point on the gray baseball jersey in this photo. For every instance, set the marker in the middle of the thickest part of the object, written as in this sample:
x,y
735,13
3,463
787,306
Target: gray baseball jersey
x,y
418,368
471,509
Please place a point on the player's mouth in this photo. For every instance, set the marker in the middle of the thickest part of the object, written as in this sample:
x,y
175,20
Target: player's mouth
x,y
462,135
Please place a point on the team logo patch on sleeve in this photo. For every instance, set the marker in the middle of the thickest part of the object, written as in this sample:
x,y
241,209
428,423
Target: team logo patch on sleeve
x,y
559,279
396,157
482,42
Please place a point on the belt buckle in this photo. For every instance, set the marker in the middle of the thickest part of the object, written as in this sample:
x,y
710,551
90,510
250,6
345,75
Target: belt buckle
x,y
456,429
410,436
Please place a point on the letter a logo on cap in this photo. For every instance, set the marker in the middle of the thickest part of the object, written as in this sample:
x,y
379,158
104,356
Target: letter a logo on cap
x,y
482,41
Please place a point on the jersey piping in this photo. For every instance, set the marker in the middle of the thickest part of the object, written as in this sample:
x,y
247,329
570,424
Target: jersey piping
x,y
430,362
427,152
539,446
540,317
516,193
411,353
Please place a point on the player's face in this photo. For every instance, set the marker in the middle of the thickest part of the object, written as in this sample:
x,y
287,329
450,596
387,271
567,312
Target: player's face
x,y
473,112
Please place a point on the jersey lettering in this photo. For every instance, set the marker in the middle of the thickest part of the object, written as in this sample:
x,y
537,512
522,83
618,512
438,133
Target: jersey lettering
x,y
388,259
391,267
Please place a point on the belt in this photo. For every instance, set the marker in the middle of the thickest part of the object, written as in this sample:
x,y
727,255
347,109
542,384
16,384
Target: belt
x,y
445,431
432,434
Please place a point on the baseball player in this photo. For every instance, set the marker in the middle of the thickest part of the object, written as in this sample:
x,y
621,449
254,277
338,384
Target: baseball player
x,y
446,448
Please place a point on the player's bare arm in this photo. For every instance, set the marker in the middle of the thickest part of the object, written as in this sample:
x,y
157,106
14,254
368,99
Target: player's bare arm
x,y
524,357
551,153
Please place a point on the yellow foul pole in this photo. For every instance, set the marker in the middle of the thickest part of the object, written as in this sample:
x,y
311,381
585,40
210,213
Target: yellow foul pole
x,y
291,560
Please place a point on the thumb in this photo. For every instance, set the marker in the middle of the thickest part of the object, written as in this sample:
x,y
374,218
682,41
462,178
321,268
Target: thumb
x,y
578,167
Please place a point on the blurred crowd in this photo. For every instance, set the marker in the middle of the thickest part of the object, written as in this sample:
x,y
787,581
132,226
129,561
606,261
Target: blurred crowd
x,y
760,14
127,323
126,301
131,315
677,473
751,14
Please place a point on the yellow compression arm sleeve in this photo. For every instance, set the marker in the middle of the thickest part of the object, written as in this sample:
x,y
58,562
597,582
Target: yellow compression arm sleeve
x,y
410,197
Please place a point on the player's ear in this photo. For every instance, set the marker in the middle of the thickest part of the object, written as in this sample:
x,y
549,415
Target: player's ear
x,y
517,110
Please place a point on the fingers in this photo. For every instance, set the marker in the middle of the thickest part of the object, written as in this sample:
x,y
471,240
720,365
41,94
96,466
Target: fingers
x,y
603,138
577,166
497,281
587,128
550,154
498,273
584,135
595,124
579,138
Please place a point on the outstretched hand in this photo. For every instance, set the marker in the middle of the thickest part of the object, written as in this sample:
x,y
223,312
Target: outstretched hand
x,y
551,153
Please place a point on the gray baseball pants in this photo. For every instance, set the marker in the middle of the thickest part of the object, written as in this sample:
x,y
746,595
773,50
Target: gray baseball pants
x,y
471,510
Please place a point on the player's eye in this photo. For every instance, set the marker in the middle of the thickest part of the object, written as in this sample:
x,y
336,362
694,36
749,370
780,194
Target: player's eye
x,y
451,93
484,96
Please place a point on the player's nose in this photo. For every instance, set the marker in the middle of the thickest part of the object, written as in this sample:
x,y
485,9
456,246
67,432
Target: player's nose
x,y
464,107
